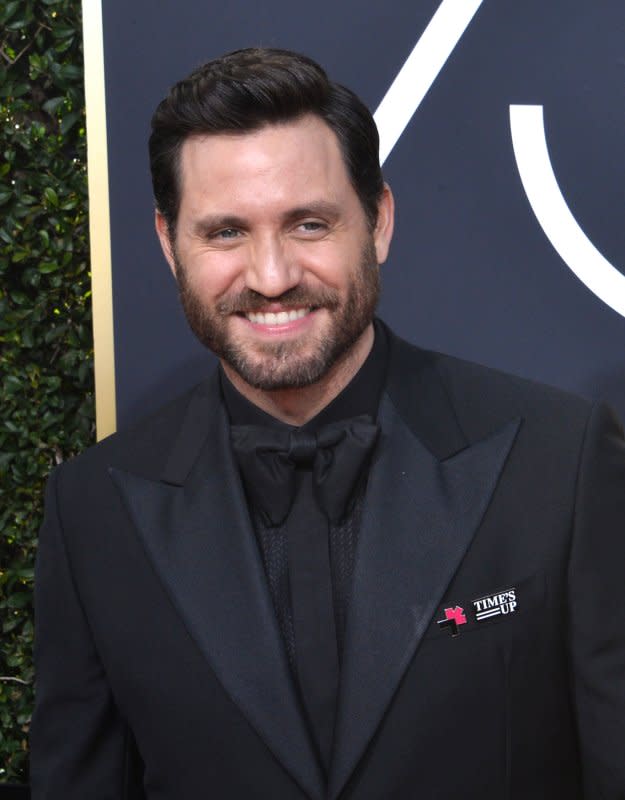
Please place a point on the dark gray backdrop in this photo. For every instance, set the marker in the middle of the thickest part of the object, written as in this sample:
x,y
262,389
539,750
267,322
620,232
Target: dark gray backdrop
x,y
471,272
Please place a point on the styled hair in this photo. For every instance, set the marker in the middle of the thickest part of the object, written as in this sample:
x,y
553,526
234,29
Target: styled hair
x,y
246,90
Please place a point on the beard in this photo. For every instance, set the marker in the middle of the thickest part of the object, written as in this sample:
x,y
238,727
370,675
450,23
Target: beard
x,y
292,364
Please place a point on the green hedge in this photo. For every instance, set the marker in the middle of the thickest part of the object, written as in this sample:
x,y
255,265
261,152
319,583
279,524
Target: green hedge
x,y
46,382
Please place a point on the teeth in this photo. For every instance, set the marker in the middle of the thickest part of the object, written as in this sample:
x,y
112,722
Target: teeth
x,y
281,318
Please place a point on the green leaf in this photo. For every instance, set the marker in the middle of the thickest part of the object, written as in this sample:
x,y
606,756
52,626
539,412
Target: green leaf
x,y
48,266
69,121
18,297
16,24
9,9
68,72
63,32
84,369
20,89
51,105
19,600
51,196
13,382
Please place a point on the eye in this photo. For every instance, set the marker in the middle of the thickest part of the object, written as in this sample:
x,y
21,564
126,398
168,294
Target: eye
x,y
312,226
226,233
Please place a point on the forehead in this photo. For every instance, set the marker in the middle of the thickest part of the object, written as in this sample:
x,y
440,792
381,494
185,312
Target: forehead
x,y
286,162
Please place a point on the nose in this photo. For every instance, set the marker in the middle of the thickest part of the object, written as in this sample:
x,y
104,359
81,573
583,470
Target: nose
x,y
270,271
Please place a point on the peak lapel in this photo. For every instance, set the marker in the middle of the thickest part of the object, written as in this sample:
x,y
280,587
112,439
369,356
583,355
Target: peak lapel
x,y
196,531
419,518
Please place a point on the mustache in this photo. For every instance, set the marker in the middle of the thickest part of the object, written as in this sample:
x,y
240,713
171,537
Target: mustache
x,y
248,300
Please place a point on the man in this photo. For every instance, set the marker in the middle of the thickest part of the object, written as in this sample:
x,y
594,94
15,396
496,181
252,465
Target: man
x,y
342,567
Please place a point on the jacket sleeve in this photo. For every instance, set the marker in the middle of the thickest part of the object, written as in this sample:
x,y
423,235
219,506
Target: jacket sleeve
x,y
80,746
597,607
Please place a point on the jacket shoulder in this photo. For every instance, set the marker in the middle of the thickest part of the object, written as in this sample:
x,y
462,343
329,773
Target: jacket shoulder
x,y
481,387
484,398
145,446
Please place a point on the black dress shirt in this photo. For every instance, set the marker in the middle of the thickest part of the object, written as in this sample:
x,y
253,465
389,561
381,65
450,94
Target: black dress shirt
x,y
360,396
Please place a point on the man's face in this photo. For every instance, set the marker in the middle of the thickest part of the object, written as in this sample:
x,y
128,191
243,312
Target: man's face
x,y
276,265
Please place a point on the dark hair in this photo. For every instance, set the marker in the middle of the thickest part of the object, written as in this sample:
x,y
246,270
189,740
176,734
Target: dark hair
x,y
246,89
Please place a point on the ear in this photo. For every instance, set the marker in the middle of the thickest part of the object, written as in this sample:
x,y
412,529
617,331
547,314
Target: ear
x,y
162,231
383,232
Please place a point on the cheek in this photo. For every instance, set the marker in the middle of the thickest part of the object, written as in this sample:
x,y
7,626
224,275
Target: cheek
x,y
211,275
329,263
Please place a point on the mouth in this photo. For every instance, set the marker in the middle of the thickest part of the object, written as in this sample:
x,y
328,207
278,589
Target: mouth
x,y
284,317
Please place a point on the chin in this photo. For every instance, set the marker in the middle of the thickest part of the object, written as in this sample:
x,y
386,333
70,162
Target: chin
x,y
274,377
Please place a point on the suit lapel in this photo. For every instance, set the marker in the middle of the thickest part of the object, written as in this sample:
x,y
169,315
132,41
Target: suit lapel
x,y
196,531
427,493
421,513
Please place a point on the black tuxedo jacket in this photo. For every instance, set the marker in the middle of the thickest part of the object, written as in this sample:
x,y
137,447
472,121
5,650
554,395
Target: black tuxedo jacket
x,y
160,668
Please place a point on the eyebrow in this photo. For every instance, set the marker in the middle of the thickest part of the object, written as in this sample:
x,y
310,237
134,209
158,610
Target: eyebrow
x,y
316,208
217,221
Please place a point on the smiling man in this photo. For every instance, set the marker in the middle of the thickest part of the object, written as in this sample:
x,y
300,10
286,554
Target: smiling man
x,y
276,260
341,567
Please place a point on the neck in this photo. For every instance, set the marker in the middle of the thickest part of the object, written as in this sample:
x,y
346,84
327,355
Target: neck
x,y
297,406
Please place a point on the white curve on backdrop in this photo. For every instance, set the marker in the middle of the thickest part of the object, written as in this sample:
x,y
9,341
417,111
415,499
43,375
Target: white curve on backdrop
x,y
420,70
529,142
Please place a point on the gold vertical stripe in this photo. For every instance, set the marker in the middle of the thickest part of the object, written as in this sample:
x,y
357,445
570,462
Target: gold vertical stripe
x,y
99,219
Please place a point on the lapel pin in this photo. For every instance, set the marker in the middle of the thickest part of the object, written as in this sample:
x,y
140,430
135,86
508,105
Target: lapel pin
x,y
454,617
493,605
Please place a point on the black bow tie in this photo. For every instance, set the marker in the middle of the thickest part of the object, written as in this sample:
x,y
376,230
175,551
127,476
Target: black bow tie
x,y
268,458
